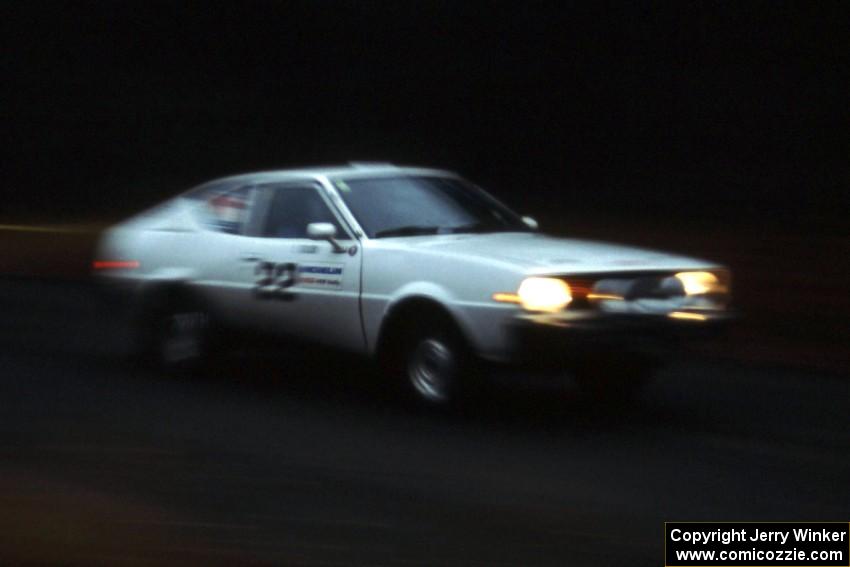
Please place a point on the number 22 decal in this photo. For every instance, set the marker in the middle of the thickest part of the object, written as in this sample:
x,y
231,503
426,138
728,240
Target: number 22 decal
x,y
274,280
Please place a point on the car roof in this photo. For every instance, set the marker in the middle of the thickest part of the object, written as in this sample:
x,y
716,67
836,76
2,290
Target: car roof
x,y
333,171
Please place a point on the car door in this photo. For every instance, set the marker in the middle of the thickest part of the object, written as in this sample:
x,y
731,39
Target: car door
x,y
303,287
224,212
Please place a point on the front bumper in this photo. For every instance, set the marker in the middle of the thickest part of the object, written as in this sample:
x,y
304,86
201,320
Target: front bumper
x,y
547,339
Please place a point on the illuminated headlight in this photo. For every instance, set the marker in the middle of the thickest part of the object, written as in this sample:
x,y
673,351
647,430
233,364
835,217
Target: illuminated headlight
x,y
544,294
703,283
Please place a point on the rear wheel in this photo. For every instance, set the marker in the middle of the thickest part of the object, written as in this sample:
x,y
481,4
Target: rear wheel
x,y
177,336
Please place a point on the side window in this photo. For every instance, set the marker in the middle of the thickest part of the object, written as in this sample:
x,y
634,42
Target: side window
x,y
291,209
227,211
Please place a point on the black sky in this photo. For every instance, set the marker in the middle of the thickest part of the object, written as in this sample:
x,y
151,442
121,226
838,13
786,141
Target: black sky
x,y
704,108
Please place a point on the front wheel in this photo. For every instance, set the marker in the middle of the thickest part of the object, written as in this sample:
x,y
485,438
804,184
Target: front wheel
x,y
431,364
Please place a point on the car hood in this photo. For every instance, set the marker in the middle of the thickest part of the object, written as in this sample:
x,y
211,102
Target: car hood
x,y
538,253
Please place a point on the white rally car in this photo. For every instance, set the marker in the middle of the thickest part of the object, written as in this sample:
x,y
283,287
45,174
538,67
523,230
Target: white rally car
x,y
415,267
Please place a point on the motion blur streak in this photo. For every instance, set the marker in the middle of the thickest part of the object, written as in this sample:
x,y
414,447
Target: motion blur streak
x,y
605,297
688,316
48,229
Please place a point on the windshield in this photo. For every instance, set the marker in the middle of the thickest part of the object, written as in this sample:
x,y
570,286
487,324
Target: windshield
x,y
409,206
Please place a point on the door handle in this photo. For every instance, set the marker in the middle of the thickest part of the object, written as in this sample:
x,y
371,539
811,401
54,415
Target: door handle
x,y
248,257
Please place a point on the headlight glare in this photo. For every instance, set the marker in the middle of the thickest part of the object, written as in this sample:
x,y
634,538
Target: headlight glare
x,y
701,283
544,294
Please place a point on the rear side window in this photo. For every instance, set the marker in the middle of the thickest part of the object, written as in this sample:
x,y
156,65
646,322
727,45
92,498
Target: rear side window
x,y
291,209
227,211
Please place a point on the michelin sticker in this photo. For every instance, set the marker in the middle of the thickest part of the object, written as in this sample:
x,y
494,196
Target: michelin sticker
x,y
325,276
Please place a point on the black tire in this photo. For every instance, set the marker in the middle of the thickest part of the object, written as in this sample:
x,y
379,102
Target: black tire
x,y
176,335
431,364
615,379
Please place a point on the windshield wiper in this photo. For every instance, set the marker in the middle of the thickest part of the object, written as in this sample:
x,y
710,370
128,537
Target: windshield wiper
x,y
473,227
409,230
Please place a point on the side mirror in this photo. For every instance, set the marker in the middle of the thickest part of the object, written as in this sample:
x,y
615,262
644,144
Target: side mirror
x,y
530,223
324,231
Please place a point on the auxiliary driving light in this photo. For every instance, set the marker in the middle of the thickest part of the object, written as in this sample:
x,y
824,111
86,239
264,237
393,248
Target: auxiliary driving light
x,y
701,283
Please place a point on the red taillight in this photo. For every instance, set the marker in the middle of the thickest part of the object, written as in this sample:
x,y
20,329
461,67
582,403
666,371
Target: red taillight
x,y
115,264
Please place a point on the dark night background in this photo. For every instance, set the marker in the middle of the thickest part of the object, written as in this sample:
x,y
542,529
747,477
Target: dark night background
x,y
715,130
698,110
